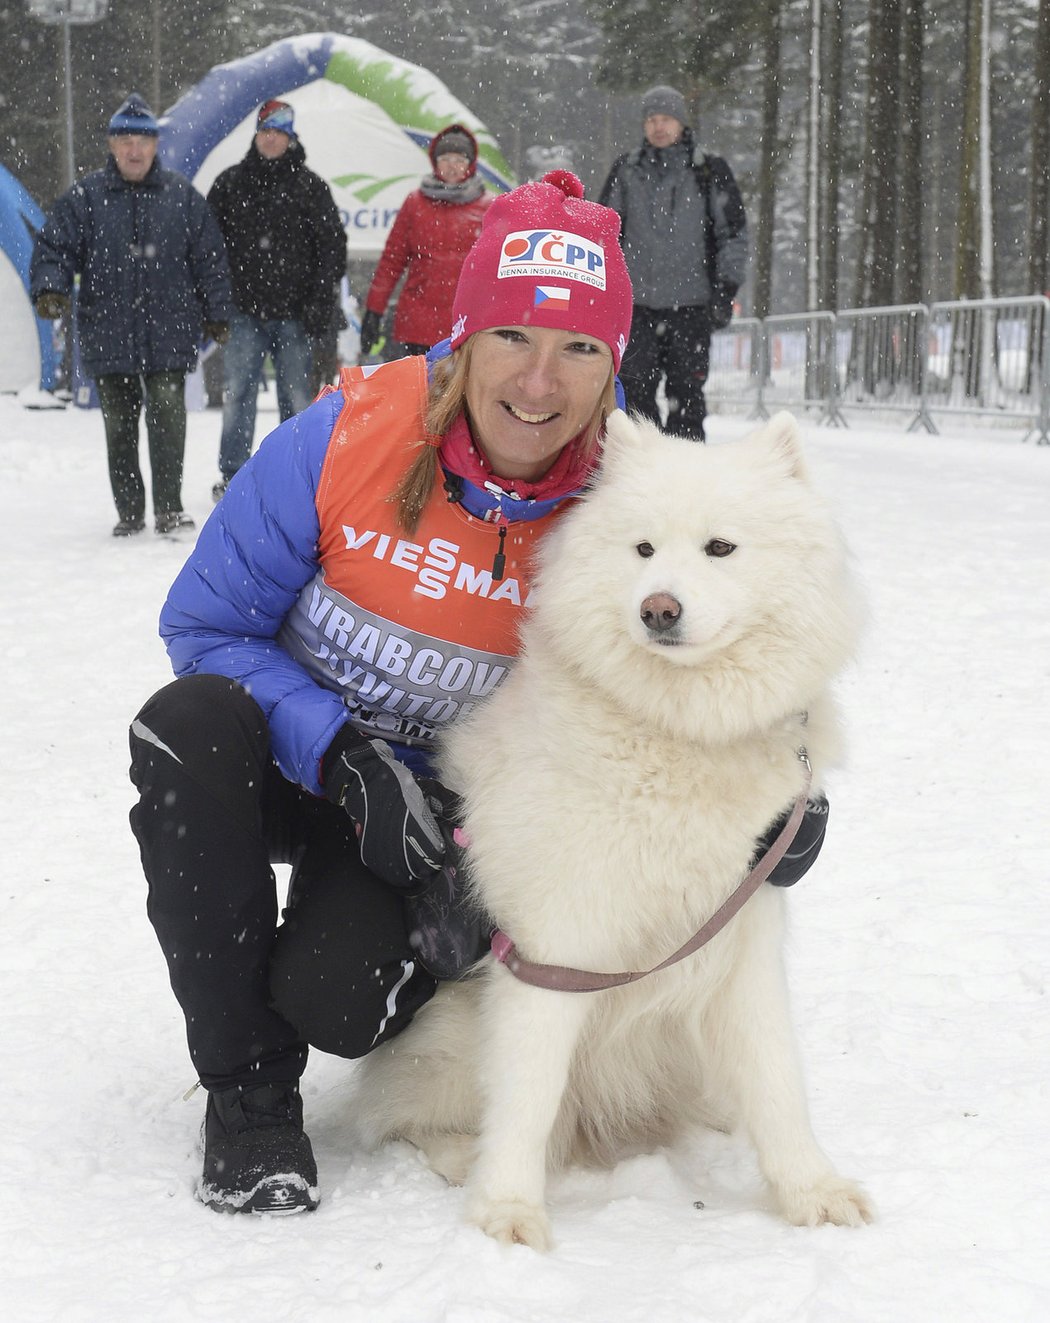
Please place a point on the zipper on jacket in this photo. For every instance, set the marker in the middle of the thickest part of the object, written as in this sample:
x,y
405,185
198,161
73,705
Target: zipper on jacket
x,y
499,561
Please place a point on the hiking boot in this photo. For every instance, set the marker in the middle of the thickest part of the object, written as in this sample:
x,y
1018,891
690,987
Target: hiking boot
x,y
173,521
128,527
256,1157
218,491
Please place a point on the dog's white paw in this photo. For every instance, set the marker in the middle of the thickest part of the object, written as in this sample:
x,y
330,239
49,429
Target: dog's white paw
x,y
832,1199
513,1223
450,1156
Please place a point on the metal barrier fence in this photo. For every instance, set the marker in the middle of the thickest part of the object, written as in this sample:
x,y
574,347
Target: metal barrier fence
x,y
880,360
798,355
735,373
984,357
991,358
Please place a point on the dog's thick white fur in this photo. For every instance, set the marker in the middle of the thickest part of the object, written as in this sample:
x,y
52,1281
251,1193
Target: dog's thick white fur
x,y
615,786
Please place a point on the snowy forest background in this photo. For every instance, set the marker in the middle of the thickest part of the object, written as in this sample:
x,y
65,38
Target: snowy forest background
x,y
889,151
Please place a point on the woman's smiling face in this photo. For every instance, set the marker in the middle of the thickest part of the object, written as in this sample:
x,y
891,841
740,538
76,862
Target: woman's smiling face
x,y
530,390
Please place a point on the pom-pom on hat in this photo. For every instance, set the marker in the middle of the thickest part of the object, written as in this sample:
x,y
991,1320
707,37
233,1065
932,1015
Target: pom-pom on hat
x,y
133,116
276,115
546,257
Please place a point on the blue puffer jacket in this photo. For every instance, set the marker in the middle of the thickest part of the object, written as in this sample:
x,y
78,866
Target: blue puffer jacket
x,y
252,559
152,269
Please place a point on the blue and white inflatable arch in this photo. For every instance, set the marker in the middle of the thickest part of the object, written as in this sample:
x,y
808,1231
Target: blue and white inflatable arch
x,y
365,119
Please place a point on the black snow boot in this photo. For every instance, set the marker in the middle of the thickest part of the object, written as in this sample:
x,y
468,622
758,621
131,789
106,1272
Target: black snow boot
x,y
256,1157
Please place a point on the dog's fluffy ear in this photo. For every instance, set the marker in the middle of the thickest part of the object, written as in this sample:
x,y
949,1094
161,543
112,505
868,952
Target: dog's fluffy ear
x,y
621,433
781,441
624,436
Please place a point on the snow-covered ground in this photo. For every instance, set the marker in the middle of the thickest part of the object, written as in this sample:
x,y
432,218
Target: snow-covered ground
x,y
918,959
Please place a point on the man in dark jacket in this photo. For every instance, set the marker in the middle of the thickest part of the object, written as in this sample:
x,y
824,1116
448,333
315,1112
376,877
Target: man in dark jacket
x,y
153,277
287,251
684,235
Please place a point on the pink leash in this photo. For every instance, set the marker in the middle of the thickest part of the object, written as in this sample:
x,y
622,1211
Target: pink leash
x,y
563,978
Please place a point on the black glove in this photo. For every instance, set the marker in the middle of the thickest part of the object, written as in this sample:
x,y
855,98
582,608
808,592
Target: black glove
x,y
446,929
720,313
217,331
317,319
370,324
803,850
398,830
51,305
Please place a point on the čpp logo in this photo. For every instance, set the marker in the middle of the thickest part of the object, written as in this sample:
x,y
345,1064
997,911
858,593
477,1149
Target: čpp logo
x,y
543,253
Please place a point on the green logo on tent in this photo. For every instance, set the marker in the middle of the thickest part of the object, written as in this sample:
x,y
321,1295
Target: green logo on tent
x,y
365,192
411,96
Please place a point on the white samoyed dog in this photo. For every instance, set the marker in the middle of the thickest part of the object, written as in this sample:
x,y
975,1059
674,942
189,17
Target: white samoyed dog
x,y
688,617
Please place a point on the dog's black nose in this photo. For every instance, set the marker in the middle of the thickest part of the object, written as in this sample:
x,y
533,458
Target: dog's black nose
x,y
660,612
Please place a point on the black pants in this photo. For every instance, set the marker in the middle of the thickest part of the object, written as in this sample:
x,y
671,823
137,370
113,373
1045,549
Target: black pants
x,y
121,399
324,360
214,813
674,343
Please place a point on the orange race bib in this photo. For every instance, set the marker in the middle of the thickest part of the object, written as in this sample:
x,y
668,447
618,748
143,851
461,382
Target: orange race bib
x,y
410,628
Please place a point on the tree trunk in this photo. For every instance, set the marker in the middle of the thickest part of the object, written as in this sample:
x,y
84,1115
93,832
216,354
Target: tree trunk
x,y
884,145
984,192
967,275
862,274
911,287
832,118
1039,167
814,262
768,162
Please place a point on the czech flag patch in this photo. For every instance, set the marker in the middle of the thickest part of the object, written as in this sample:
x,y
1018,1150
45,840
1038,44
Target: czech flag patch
x,y
551,296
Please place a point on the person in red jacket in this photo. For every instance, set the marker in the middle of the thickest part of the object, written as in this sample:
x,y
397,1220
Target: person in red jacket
x,y
435,229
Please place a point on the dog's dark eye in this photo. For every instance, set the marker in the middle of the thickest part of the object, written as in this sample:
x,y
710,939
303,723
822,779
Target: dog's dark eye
x,y
719,547
645,550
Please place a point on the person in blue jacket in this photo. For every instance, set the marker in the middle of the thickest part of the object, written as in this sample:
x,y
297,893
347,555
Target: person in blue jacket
x,y
359,586
153,281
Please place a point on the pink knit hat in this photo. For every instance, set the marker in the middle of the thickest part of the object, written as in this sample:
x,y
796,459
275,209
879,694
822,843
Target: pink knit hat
x,y
546,257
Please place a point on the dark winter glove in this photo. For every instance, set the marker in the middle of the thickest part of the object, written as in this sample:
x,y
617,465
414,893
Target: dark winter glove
x,y
720,313
370,324
398,831
317,319
217,331
446,930
803,850
51,305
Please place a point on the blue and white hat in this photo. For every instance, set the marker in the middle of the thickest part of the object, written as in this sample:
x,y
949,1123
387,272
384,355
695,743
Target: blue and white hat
x,y
133,116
